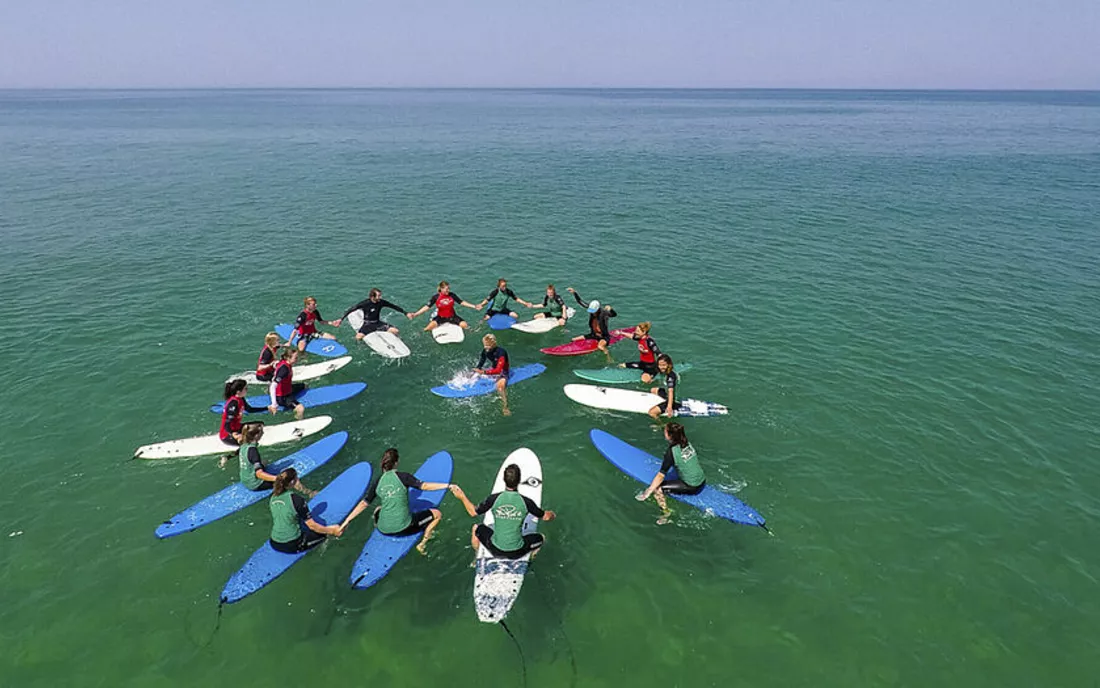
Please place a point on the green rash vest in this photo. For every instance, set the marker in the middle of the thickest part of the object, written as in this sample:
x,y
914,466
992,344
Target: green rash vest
x,y
248,471
284,519
500,301
508,514
687,465
394,515
556,309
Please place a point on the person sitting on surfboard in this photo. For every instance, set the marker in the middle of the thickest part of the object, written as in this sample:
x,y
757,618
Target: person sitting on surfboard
x,y
305,325
554,305
265,366
233,414
682,455
598,317
505,538
500,298
372,314
501,366
254,473
648,351
288,512
668,392
444,302
284,391
392,516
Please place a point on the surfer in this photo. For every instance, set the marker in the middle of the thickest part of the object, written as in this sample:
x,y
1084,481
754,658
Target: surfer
x,y
501,368
647,353
598,317
288,512
254,474
392,516
265,366
372,320
500,298
682,455
305,325
505,538
444,302
554,305
284,391
232,415
668,392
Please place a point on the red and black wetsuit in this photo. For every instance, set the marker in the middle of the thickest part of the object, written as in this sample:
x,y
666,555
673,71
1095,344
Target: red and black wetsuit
x,y
305,325
445,307
286,390
498,357
232,422
648,351
264,369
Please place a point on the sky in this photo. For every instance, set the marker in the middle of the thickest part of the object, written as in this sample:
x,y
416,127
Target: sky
x,y
963,44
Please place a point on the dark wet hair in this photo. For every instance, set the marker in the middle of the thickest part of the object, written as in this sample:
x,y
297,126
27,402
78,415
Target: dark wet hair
x,y
676,434
284,481
374,292
252,432
511,476
666,358
389,459
234,386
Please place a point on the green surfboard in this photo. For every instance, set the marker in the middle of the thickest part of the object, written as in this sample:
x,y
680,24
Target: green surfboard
x,y
619,376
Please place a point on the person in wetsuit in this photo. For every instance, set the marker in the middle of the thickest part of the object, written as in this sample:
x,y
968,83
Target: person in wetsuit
x,y
284,390
680,454
233,415
500,298
553,304
599,328
289,512
305,325
392,516
444,301
648,351
254,474
669,396
265,364
505,537
494,361
372,314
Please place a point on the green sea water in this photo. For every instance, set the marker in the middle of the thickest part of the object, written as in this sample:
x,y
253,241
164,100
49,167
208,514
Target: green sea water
x,y
896,295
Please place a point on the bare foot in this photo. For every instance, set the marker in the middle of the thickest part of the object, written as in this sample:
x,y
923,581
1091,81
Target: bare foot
x,y
664,519
507,412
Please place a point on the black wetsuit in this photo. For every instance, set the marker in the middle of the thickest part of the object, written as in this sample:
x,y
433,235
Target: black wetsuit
x,y
598,326
372,314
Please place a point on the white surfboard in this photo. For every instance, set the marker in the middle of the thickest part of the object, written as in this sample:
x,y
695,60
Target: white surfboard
x,y
301,372
497,581
210,444
355,319
448,333
542,324
387,344
615,399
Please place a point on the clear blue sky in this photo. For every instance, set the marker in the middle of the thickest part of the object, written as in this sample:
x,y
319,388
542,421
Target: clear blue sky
x,y
679,43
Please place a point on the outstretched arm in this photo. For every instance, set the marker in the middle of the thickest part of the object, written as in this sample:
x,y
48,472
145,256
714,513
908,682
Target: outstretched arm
x,y
470,508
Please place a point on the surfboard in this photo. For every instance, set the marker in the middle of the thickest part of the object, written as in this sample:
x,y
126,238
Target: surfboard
x,y
636,402
542,324
642,467
310,398
497,581
329,507
501,321
387,344
479,385
236,496
302,373
586,346
329,348
619,376
448,333
210,444
382,552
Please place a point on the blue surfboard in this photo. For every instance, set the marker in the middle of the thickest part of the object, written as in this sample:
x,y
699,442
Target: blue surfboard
x,y
642,467
383,551
329,507
313,396
329,348
501,321
236,497
487,384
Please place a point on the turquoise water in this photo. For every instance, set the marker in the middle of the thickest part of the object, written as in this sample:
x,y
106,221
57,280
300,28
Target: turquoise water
x,y
896,294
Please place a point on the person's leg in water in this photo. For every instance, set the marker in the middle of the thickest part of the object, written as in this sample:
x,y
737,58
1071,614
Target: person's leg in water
x,y
662,502
422,545
502,390
602,346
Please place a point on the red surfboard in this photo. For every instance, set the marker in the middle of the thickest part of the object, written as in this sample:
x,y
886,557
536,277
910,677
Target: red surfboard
x,y
586,346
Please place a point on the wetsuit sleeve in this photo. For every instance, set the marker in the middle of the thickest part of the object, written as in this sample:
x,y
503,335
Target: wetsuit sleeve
x,y
254,458
652,345
267,357
387,304
458,299
670,380
483,359
511,294
281,374
300,320
492,295
409,480
611,313
532,508
431,301
546,300
669,461
357,307
300,506
487,504
372,491
582,302
502,361
560,301
319,316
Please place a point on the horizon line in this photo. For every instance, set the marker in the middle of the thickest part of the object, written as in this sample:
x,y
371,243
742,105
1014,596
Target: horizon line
x,y
837,89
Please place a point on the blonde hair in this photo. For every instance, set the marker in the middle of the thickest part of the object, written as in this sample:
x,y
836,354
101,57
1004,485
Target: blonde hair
x,y
271,339
489,339
307,299
643,328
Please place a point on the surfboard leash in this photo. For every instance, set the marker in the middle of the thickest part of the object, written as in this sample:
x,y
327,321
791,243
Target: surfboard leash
x,y
522,658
